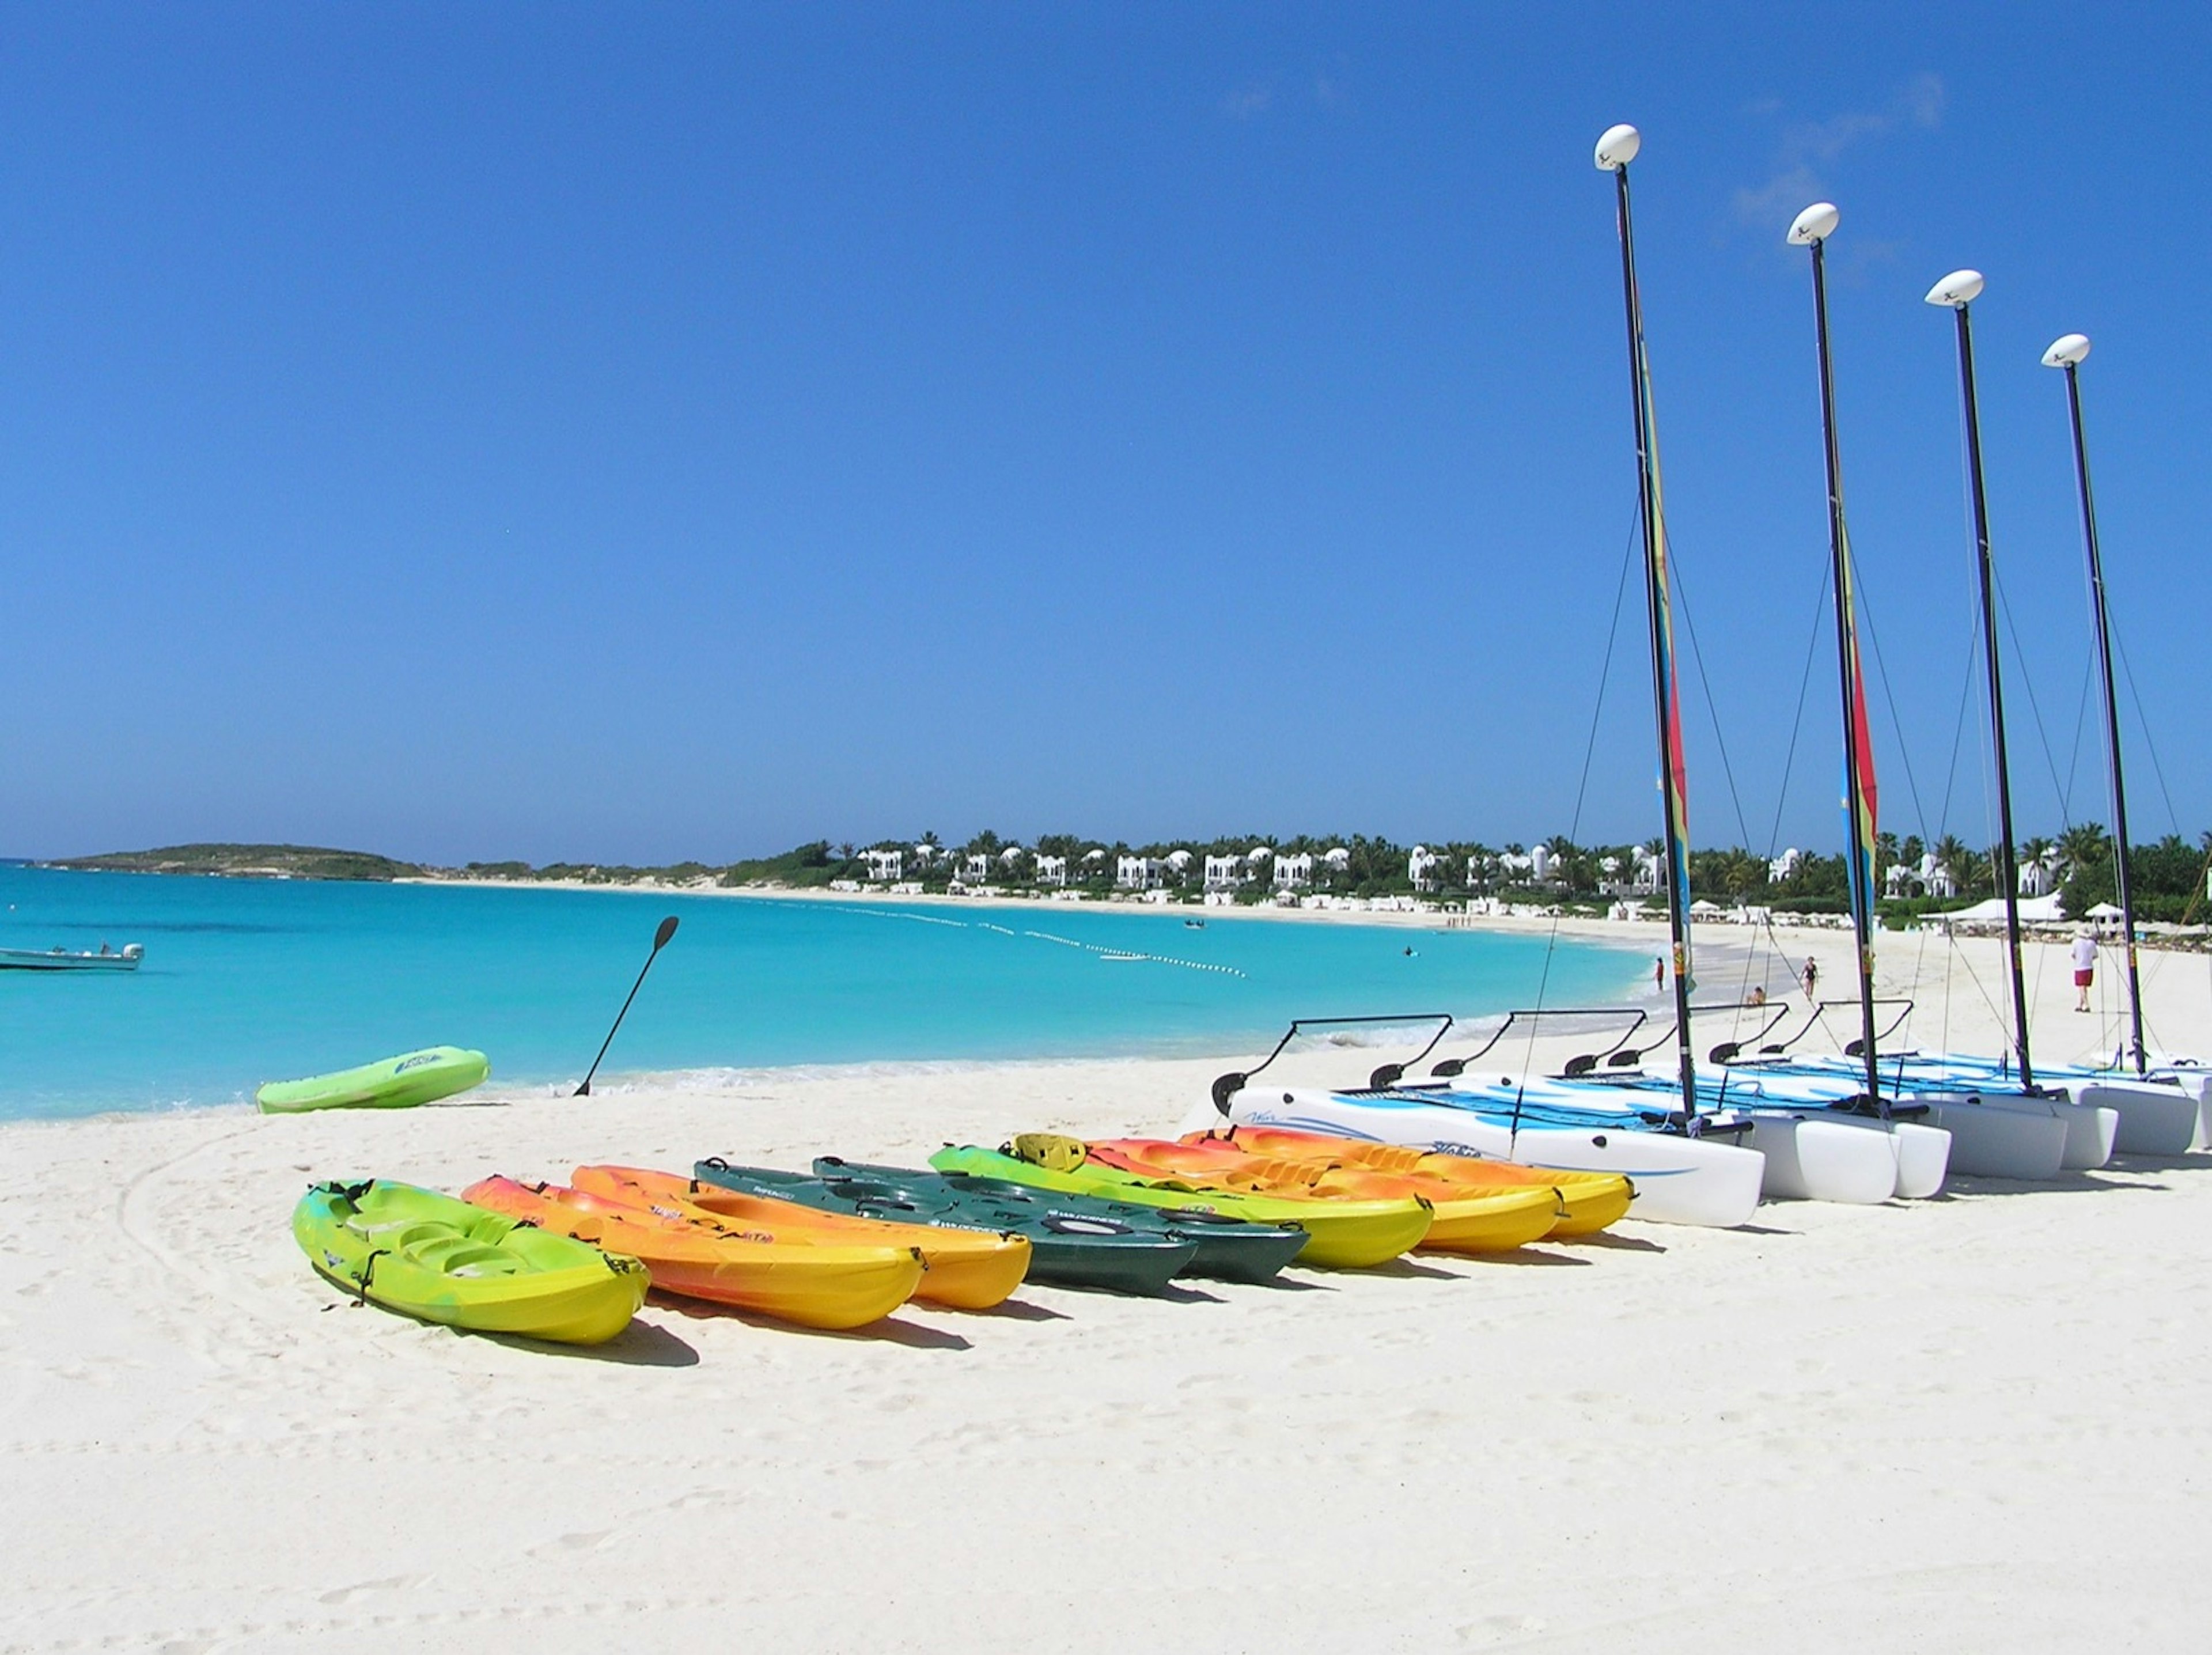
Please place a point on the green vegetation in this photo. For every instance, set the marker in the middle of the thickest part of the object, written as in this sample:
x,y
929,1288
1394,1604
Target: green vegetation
x,y
809,866
292,861
2168,877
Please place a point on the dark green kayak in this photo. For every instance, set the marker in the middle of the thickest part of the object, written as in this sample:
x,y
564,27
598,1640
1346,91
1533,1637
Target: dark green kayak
x,y
1229,1249
1070,1249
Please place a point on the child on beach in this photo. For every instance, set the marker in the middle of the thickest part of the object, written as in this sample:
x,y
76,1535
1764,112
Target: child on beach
x,y
2085,967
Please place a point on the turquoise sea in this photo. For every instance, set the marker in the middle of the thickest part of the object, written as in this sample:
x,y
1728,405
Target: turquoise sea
x,y
251,980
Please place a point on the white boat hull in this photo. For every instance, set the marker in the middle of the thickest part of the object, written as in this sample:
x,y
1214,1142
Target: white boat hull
x,y
1986,1117
1679,1180
57,959
2152,1119
1919,1154
1808,1159
1990,1140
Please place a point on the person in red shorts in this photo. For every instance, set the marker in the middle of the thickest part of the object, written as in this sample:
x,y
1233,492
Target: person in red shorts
x,y
2085,967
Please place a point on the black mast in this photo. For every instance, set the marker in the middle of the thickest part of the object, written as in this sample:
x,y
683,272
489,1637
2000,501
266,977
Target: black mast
x,y
1959,290
2067,353
1615,150
1812,228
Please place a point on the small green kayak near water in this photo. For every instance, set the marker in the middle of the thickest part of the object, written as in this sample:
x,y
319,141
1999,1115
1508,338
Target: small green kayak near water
x,y
401,1082
1066,1248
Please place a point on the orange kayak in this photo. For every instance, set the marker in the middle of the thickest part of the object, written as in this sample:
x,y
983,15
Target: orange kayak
x,y
1589,1202
1466,1220
968,1269
794,1280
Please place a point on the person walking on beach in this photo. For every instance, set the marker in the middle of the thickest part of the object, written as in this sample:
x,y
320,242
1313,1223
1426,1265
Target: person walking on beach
x,y
2085,967
1812,975
1658,973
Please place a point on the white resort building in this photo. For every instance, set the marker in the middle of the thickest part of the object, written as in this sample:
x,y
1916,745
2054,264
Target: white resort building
x,y
1137,873
1223,872
1051,870
885,867
1293,872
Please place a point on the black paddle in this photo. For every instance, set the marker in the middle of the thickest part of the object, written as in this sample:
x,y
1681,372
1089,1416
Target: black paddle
x,y
660,941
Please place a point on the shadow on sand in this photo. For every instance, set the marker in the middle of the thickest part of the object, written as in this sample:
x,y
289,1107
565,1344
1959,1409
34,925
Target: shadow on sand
x,y
888,1330
1612,1243
1964,1185
642,1344
1539,1257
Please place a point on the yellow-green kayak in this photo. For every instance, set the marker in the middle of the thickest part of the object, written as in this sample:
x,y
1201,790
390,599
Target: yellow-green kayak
x,y
401,1082
441,1260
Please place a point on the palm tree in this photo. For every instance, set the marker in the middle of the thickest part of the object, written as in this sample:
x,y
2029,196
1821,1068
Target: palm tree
x,y
1953,857
2083,843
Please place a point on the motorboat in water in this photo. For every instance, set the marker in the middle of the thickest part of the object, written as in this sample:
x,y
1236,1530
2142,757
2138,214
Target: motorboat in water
x,y
64,959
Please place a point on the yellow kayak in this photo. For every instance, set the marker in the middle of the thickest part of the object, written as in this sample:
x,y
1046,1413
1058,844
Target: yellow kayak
x,y
1492,1220
1343,1234
1589,1202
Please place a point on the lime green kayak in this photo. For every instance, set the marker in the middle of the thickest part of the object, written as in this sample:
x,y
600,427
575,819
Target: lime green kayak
x,y
441,1260
415,1077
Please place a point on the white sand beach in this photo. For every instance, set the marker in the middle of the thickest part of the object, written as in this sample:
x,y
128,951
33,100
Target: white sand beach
x,y
1983,1420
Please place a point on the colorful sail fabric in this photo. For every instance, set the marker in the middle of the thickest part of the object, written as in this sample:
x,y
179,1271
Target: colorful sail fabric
x,y
1859,792
1674,784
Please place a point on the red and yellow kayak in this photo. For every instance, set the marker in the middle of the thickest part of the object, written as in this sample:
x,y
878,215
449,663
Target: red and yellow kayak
x,y
1466,1220
796,1281
1589,1202
968,1269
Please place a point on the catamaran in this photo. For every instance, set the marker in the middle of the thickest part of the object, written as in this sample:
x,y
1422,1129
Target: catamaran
x,y
1670,1149
2004,1122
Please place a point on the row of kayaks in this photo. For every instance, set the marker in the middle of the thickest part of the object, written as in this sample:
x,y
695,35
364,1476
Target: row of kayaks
x,y
847,1244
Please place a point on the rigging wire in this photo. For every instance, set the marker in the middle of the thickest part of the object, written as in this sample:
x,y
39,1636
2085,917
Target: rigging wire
x,y
1889,696
1797,722
2026,682
2074,763
2150,747
1582,787
1720,741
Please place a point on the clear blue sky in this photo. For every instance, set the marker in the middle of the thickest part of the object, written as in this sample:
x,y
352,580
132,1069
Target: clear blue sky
x,y
649,431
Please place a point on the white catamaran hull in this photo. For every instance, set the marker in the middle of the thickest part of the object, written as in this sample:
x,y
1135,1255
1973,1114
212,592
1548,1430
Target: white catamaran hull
x,y
1794,1128
1917,1156
2152,1119
1679,1180
1811,1159
1991,1140
1997,1131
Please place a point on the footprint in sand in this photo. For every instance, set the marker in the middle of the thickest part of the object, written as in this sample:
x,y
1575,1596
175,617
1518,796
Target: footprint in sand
x,y
369,1588
590,1541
